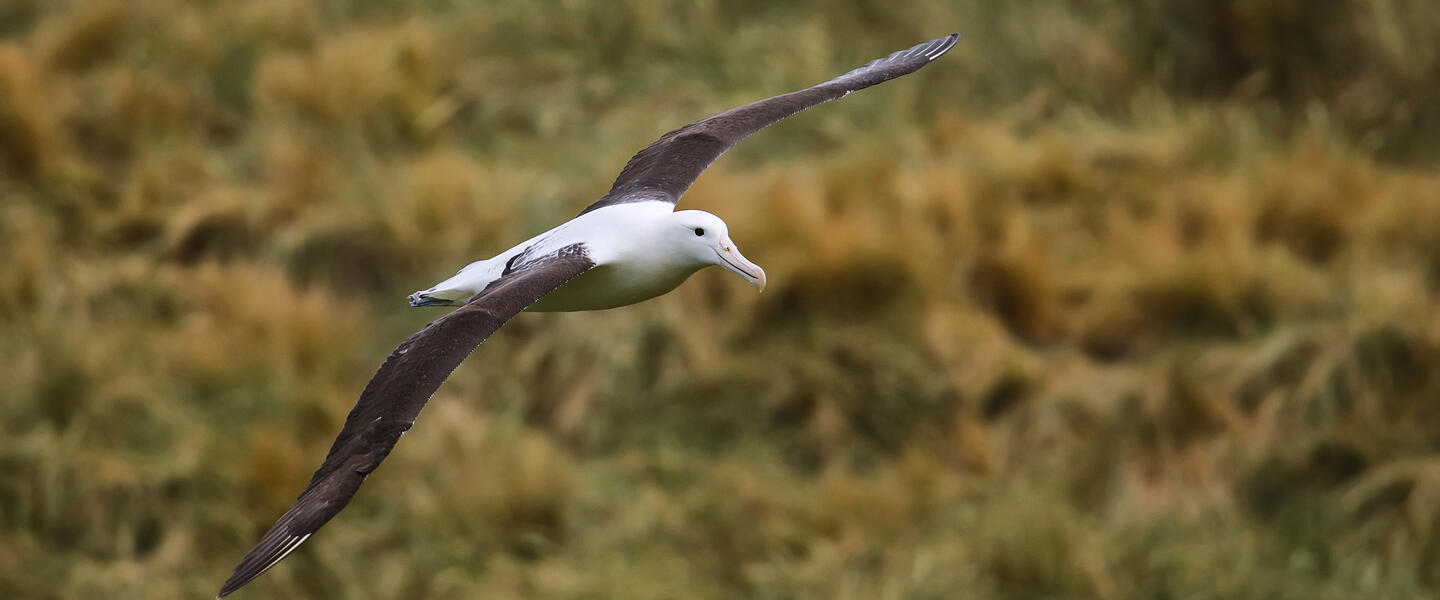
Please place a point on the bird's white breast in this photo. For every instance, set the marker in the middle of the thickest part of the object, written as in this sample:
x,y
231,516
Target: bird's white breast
x,y
632,260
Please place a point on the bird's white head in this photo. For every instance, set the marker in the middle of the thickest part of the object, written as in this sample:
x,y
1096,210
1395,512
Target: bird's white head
x,y
705,238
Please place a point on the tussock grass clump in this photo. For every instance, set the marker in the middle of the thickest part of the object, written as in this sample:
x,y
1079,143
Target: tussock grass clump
x,y
27,123
84,38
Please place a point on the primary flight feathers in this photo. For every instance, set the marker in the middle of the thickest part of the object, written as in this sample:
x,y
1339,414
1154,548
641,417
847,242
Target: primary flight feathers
x,y
667,167
628,246
391,401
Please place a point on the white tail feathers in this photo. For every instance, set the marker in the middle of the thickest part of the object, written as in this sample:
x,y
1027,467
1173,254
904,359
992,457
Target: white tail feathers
x,y
434,297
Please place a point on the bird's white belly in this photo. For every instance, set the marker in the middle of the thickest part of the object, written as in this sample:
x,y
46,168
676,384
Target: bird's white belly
x,y
611,286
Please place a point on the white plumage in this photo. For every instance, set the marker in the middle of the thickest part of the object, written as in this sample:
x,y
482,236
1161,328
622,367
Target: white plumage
x,y
641,250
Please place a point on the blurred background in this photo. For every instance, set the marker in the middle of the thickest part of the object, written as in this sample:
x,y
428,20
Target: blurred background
x,y
1120,299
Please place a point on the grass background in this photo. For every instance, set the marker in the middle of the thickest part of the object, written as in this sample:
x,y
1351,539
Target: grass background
x,y
1120,299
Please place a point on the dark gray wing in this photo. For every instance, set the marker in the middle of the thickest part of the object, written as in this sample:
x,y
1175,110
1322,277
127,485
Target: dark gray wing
x,y
393,398
666,168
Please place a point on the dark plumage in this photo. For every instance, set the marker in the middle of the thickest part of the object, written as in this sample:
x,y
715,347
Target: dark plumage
x,y
394,397
666,168
663,171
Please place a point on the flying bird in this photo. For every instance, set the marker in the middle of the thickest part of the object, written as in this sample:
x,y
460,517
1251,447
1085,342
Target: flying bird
x,y
628,246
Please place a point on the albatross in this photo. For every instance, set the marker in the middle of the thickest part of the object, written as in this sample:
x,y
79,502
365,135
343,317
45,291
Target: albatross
x,y
628,246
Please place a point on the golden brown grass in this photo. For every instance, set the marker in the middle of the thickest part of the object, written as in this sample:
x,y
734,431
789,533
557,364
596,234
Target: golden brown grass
x,y
1120,300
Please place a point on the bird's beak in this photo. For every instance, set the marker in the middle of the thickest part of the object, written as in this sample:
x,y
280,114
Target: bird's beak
x,y
731,259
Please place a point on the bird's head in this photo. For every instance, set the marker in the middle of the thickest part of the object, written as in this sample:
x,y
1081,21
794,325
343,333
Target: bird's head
x,y
704,238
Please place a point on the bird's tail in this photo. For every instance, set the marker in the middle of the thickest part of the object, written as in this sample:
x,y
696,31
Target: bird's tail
x,y
439,297
459,288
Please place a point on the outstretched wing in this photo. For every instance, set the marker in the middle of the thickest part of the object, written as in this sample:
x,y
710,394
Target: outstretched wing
x,y
393,398
666,168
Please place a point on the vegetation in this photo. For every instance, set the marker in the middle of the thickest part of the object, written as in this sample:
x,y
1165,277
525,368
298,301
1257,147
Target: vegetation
x,y
1121,299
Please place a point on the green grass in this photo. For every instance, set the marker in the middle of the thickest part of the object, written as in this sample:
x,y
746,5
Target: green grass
x,y
1118,300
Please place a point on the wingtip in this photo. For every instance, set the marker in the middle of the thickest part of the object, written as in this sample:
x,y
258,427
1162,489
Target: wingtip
x,y
948,42
231,585
935,48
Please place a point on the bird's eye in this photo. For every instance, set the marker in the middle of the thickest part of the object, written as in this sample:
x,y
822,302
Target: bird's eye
x,y
699,231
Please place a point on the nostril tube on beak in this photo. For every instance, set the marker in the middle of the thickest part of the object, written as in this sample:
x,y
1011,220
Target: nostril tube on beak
x,y
731,259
